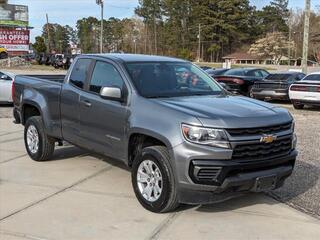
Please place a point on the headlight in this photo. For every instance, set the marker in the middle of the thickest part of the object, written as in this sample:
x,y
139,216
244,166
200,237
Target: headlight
x,y
294,141
205,136
293,124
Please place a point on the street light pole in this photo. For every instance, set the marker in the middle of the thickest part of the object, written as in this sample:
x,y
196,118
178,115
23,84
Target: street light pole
x,y
100,2
199,42
306,36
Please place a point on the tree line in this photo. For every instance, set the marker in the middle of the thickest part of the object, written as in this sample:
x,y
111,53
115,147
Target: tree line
x,y
190,29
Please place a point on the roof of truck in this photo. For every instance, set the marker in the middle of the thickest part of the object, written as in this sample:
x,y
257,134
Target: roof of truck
x,y
138,57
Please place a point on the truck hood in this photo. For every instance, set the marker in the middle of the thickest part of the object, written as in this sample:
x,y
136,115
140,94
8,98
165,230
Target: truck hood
x,y
228,111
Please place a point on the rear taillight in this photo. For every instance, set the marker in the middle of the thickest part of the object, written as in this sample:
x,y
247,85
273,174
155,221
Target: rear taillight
x,y
238,81
12,89
230,79
299,88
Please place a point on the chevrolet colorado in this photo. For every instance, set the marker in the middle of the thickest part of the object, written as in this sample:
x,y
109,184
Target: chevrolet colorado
x,y
185,138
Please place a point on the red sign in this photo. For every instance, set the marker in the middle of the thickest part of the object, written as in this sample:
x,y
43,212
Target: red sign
x,y
15,40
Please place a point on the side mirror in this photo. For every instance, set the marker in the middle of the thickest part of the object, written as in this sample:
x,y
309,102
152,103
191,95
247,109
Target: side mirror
x,y
5,77
112,93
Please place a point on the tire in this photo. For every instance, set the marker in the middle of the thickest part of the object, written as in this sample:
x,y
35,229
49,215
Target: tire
x,y
167,200
3,55
297,105
250,93
44,147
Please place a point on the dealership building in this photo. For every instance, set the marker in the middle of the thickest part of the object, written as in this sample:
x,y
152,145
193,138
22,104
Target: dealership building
x,y
14,29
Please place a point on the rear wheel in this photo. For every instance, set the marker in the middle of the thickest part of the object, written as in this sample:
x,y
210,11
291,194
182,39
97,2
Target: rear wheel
x,y
3,55
153,180
298,105
39,146
250,92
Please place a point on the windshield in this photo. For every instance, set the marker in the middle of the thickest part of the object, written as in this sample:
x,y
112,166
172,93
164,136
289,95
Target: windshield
x,y
312,77
170,79
281,77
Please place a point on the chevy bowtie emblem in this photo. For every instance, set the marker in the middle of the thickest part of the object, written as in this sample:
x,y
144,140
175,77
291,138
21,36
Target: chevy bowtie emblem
x,y
268,138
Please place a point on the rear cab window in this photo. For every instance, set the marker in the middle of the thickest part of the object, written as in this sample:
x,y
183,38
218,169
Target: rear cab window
x,y
278,76
312,77
80,72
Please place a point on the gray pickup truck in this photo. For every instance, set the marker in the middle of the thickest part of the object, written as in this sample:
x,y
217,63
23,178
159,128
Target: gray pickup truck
x,y
185,138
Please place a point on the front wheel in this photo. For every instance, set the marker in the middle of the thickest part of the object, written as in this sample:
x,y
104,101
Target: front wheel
x,y
153,180
39,146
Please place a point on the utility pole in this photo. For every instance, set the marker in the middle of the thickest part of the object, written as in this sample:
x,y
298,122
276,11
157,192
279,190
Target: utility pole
x,y
155,35
290,32
199,43
48,33
306,37
100,2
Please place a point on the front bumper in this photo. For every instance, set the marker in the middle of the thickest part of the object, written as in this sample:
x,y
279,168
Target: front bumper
x,y
232,177
279,94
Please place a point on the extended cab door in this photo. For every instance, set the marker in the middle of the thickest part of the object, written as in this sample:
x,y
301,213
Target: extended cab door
x,y
70,100
102,121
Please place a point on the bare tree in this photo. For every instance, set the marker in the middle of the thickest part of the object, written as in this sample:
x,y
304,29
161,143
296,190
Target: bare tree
x,y
275,45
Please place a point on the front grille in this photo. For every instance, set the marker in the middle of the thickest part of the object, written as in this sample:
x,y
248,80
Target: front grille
x,y
260,130
257,151
271,85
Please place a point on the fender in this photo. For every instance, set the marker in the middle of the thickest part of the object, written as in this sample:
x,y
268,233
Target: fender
x,y
31,97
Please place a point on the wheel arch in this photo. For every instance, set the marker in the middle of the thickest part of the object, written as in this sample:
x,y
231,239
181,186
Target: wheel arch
x,y
30,109
140,139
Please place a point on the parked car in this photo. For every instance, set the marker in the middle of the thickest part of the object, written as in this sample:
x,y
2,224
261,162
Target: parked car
x,y
3,52
205,68
306,91
275,85
6,80
241,80
185,139
58,61
216,71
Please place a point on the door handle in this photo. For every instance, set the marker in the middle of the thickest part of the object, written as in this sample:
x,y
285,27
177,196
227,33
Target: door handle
x,y
87,103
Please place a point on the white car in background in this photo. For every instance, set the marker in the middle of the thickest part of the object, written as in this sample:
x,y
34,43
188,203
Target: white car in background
x,y
306,91
6,81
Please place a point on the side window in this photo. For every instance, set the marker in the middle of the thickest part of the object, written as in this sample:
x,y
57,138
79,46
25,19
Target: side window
x,y
300,76
105,75
80,72
254,73
264,73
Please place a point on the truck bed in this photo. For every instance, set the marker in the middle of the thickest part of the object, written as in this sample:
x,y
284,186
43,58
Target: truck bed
x,y
44,92
52,77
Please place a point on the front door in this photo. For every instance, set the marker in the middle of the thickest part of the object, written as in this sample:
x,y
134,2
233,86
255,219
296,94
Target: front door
x,y
103,121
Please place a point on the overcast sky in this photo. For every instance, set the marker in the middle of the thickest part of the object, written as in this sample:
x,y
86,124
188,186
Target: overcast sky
x,y
69,11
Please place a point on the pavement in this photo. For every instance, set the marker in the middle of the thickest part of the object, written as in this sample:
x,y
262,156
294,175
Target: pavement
x,y
78,195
